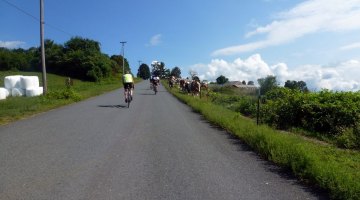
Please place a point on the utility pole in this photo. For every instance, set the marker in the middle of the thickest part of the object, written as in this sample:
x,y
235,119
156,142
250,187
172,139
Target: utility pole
x,y
42,46
139,62
123,43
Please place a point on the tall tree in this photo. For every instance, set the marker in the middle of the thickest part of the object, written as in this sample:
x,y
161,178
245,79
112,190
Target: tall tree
x,y
84,60
267,84
176,72
158,69
86,45
119,63
54,56
221,80
144,71
16,59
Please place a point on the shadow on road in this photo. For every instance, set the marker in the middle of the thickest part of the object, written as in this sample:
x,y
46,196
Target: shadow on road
x,y
147,94
112,106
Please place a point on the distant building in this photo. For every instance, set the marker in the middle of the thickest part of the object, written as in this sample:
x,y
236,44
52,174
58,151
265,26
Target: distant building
x,y
241,86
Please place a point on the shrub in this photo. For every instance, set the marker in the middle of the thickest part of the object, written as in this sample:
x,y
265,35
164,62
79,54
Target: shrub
x,y
246,106
68,94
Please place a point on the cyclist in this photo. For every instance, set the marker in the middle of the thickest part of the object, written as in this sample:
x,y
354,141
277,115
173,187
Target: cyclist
x,y
128,82
156,83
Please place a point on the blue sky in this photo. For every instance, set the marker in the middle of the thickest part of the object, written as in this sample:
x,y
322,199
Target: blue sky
x,y
317,41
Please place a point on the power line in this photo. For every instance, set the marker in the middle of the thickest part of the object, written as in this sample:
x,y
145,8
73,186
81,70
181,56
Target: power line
x,y
35,18
21,10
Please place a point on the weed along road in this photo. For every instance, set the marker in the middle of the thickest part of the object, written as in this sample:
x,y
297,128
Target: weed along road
x,y
156,149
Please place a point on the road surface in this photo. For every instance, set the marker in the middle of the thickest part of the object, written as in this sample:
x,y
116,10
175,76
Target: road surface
x,y
156,149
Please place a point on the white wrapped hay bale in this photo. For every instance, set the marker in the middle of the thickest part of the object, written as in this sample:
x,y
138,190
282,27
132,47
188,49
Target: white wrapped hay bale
x,y
17,92
28,82
7,91
32,92
3,93
11,82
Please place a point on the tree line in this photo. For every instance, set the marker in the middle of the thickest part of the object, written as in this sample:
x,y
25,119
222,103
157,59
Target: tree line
x,y
79,58
158,69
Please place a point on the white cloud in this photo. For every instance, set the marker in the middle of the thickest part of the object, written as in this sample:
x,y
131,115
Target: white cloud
x,y
155,40
308,17
350,46
343,76
11,44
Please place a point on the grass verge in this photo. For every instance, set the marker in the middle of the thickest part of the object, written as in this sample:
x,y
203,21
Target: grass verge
x,y
15,108
333,169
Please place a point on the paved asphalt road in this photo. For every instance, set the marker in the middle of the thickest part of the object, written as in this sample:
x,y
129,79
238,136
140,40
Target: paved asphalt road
x,y
157,149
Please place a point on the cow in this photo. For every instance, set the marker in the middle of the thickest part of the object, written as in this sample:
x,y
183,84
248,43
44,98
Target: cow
x,y
182,85
195,87
171,81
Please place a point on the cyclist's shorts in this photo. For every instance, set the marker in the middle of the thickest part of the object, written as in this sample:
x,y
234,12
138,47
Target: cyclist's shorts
x,y
128,85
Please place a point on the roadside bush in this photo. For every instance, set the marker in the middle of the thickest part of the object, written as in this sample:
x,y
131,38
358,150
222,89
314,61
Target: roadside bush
x,y
68,94
349,138
328,167
282,108
333,114
245,106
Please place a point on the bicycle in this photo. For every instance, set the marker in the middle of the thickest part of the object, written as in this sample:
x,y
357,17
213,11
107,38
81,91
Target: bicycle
x,y
155,86
128,96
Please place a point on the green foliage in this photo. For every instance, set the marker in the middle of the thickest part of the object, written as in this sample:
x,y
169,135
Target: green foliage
x,y
350,137
335,170
158,69
83,60
246,106
82,44
296,85
143,71
326,115
176,72
68,94
79,58
325,112
223,90
17,59
267,84
118,59
221,80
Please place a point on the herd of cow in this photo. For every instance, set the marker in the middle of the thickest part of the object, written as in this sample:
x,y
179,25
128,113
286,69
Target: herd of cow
x,y
192,87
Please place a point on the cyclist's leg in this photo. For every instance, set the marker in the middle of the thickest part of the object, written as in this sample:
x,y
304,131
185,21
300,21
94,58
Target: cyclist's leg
x,y
126,88
125,94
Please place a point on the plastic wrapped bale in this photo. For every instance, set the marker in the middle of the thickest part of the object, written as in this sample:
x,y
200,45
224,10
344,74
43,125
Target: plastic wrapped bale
x,y
16,92
32,92
11,82
28,82
3,93
7,91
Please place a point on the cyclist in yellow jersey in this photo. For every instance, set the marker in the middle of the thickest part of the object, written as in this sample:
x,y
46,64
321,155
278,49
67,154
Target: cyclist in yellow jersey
x,y
128,82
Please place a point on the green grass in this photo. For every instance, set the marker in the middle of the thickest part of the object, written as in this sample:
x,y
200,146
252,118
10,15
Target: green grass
x,y
15,108
333,169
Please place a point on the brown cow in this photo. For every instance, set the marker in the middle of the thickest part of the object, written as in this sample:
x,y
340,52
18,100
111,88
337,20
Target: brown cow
x,y
195,87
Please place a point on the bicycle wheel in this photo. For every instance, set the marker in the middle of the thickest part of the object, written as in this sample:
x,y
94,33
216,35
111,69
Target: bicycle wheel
x,y
128,99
